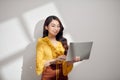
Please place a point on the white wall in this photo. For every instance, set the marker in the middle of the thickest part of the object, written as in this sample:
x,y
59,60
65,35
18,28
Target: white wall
x,y
84,20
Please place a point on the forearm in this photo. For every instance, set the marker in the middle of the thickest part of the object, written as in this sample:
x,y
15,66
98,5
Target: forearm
x,y
53,61
49,62
70,63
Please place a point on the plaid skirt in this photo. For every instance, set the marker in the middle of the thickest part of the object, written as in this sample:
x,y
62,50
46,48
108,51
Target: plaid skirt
x,y
53,72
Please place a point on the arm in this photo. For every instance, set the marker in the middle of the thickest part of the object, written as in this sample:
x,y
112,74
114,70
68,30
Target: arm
x,y
68,65
75,59
53,61
40,61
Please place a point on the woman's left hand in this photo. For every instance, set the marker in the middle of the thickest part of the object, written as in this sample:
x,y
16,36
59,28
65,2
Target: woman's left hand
x,y
76,59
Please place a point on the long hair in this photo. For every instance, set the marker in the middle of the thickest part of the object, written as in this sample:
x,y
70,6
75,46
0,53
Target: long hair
x,y
59,36
48,21
63,40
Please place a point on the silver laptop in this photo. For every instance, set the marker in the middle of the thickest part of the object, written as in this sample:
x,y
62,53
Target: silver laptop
x,y
79,49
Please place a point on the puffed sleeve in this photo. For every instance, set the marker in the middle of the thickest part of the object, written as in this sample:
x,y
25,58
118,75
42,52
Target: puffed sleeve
x,y
40,61
66,68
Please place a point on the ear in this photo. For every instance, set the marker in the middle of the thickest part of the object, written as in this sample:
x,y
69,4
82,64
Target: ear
x,y
46,27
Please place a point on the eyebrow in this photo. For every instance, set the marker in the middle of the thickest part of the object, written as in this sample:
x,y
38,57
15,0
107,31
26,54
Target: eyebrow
x,y
55,24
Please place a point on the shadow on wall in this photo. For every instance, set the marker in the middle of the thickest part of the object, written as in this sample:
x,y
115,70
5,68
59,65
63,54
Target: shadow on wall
x,y
29,56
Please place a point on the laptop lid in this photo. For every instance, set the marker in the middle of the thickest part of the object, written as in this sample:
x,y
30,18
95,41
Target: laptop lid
x,y
79,49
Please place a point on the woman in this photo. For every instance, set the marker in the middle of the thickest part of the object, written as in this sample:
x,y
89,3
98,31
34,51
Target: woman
x,y
51,52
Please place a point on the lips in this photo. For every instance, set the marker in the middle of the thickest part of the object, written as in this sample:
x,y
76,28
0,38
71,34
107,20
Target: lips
x,y
55,31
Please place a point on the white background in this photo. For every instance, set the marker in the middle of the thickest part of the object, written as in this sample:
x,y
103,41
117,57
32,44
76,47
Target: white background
x,y
21,24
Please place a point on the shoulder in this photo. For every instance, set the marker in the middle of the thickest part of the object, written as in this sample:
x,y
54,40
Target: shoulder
x,y
41,42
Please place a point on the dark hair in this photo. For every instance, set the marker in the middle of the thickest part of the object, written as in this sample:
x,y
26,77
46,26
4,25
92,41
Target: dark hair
x,y
59,36
47,22
65,45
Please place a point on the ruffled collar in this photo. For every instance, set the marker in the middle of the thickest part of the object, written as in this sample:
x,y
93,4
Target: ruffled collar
x,y
47,40
56,49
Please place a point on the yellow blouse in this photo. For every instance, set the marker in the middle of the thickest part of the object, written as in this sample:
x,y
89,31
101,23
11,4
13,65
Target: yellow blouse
x,y
45,51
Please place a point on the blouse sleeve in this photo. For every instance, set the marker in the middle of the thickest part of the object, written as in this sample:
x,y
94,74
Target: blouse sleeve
x,y
40,61
66,69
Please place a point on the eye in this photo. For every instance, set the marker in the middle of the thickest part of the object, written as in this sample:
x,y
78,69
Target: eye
x,y
53,26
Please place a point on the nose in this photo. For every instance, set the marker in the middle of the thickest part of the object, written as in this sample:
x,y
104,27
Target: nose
x,y
56,28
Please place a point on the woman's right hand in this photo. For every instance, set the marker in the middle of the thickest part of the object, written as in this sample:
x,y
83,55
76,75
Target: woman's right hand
x,y
49,62
61,58
53,61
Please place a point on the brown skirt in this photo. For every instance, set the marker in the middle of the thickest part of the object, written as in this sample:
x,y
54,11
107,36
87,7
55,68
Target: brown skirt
x,y
53,72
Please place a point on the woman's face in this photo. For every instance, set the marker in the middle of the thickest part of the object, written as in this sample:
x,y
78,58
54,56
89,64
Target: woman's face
x,y
53,28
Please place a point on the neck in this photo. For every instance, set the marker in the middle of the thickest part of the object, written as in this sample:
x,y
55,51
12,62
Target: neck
x,y
51,37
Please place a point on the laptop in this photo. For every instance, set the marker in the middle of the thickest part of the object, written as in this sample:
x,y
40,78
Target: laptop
x,y
79,49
